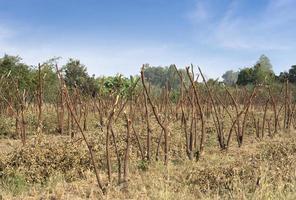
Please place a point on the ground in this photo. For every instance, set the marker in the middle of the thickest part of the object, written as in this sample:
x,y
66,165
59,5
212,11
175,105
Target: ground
x,y
51,166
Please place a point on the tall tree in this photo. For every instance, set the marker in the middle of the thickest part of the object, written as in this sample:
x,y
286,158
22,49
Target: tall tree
x,y
261,73
246,76
283,76
18,71
50,80
292,74
160,76
76,75
230,77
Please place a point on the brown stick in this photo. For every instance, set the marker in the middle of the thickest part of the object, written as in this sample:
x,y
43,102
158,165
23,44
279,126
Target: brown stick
x,y
138,142
149,130
89,147
162,125
40,100
218,126
117,154
264,118
126,158
108,139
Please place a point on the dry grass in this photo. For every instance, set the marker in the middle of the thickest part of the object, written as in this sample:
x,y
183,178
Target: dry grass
x,y
258,170
55,167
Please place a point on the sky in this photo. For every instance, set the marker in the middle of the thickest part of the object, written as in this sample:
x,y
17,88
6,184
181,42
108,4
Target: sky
x,y
118,36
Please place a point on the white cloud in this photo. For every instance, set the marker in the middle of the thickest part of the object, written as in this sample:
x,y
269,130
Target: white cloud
x,y
200,12
236,29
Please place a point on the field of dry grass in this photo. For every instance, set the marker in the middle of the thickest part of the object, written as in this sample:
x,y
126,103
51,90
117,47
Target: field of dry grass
x,y
57,167
211,142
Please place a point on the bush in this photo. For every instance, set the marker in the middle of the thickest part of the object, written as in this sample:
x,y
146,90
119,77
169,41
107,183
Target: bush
x,y
7,127
38,162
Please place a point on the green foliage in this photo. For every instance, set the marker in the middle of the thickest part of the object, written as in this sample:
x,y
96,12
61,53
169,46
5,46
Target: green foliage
x,y
19,77
246,76
161,76
118,84
20,72
143,165
174,96
76,76
14,183
16,80
50,82
263,70
283,76
7,129
212,82
291,75
115,83
230,77
261,73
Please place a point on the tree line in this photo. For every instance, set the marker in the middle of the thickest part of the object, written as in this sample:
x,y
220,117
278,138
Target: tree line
x,y
22,77
76,76
260,73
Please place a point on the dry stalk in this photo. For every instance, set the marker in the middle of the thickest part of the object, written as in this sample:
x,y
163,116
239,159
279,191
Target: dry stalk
x,y
161,124
89,146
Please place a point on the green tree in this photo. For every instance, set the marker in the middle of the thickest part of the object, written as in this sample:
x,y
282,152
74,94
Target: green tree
x,y
292,74
230,77
17,79
18,71
161,76
263,70
283,76
49,78
246,76
155,75
261,73
76,75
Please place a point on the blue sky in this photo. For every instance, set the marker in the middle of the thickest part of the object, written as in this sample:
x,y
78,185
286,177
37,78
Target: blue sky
x,y
118,36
